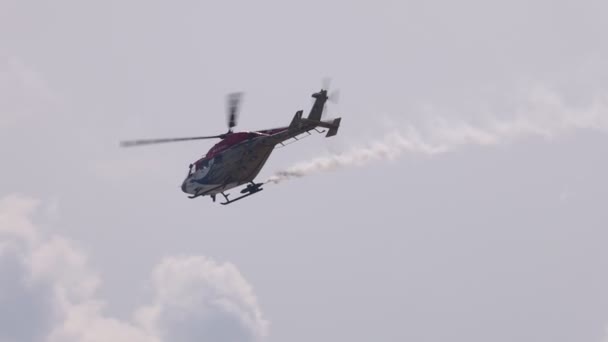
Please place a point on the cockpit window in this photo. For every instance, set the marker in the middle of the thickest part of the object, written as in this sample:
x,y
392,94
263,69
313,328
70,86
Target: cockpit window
x,y
200,168
202,165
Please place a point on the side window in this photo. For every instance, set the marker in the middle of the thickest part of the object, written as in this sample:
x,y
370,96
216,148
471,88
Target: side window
x,y
219,158
203,165
202,168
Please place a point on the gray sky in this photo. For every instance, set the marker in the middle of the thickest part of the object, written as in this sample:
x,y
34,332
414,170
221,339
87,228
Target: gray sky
x,y
463,199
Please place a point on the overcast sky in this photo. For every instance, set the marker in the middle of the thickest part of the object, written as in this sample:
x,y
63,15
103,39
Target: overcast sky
x,y
464,198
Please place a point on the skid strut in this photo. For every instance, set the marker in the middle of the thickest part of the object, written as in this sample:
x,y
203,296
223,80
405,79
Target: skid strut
x,y
251,189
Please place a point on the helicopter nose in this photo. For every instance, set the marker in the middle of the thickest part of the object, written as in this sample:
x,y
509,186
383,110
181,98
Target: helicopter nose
x,y
184,185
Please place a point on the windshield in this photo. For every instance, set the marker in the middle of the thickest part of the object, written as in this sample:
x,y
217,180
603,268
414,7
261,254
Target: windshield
x,y
201,167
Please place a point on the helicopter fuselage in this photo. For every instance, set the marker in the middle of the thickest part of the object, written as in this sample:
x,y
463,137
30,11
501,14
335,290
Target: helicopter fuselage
x,y
234,161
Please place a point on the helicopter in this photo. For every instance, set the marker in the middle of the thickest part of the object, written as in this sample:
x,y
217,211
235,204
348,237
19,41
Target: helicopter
x,y
239,156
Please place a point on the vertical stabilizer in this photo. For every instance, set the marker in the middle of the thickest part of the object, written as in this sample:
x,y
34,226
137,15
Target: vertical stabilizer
x,y
317,107
296,123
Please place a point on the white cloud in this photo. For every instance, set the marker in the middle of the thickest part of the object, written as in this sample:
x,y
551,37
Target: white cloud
x,y
15,224
197,294
23,92
58,260
49,280
86,322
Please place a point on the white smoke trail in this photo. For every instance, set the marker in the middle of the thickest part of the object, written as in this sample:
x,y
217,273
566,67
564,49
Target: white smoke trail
x,y
544,115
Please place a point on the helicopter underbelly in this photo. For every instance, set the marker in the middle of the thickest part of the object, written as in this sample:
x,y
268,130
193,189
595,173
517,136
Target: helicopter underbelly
x,y
242,164
231,168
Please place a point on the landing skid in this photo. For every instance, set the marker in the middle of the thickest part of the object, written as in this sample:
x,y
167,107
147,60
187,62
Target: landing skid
x,y
248,191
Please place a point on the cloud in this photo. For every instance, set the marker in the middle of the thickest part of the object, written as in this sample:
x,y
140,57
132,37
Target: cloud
x,y
543,113
26,308
49,293
23,92
199,299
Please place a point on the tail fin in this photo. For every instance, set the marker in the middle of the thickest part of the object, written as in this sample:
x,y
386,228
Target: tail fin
x,y
296,122
317,107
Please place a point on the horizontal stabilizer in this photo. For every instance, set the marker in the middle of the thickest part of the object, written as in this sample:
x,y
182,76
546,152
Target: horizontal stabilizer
x,y
334,129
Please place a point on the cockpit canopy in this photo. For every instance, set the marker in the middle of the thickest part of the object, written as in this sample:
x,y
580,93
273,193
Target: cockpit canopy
x,y
200,165
214,156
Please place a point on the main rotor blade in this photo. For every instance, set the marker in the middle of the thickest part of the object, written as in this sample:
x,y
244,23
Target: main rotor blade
x,y
132,143
234,101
